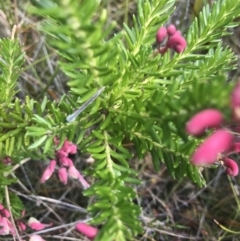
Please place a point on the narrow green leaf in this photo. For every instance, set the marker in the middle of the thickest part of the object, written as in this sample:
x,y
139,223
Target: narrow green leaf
x,y
38,142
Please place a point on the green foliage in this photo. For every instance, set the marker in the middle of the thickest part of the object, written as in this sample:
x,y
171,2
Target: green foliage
x,y
146,102
10,65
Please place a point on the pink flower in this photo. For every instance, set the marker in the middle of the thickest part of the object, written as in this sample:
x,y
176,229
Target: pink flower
x,y
231,167
52,165
65,161
69,147
74,173
36,238
179,48
6,227
208,118
48,171
84,183
5,213
161,34
34,224
171,29
62,175
207,153
62,160
61,153
86,230
21,226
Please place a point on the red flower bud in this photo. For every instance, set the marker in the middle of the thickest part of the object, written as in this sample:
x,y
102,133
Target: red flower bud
x,y
208,151
161,34
180,48
208,118
177,42
171,29
174,39
231,167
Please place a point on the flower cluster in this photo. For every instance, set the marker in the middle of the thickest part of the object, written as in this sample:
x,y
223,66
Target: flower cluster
x,y
66,167
173,39
6,227
222,142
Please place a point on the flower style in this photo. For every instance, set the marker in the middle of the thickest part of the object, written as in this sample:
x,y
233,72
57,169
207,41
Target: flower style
x,y
87,230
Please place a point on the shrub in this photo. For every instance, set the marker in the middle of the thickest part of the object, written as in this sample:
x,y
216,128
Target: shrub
x,y
126,94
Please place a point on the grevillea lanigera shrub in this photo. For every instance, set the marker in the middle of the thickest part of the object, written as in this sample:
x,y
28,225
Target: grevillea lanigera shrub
x,y
129,92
